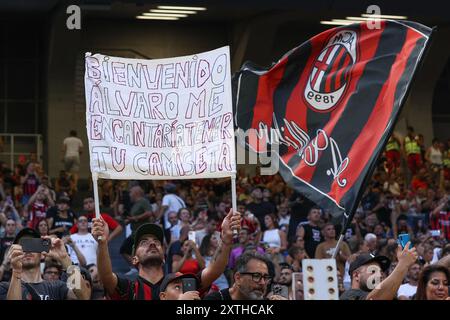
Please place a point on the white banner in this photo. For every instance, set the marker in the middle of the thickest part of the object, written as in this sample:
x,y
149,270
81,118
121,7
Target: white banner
x,y
160,119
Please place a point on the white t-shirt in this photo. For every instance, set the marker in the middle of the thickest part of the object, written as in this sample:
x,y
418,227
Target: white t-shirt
x,y
73,145
87,245
406,290
173,203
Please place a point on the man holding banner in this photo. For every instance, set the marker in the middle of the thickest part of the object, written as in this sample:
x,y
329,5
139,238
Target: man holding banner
x,y
149,258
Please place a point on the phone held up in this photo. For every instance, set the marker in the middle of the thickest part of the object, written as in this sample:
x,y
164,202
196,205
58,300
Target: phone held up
x,y
403,239
37,245
189,284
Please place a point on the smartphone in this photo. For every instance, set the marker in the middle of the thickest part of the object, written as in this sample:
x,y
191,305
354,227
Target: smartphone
x,y
281,290
37,245
189,284
191,235
435,233
403,239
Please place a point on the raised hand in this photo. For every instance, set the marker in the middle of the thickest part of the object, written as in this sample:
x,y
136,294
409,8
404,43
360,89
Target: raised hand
x,y
190,295
100,230
15,255
406,256
231,222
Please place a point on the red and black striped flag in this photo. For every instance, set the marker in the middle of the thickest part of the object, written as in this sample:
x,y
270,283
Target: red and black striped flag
x,y
329,106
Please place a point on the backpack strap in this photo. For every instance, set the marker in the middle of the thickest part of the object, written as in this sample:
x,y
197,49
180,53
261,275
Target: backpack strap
x,y
32,291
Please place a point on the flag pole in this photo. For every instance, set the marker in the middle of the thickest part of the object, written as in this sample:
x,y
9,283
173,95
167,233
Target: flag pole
x,y
234,200
96,198
341,236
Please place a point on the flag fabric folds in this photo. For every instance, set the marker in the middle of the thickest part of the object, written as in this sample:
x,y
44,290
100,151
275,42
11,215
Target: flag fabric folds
x,y
327,107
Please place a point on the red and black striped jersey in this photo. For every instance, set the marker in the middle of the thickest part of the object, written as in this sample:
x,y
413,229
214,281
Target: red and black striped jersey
x,y
441,222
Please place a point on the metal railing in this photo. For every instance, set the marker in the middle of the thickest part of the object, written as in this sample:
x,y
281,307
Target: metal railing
x,y
14,145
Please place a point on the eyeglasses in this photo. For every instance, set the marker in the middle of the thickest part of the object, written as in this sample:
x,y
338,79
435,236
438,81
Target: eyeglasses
x,y
256,276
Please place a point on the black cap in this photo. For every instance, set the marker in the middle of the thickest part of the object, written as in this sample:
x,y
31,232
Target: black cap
x,y
148,228
175,276
366,258
26,232
64,199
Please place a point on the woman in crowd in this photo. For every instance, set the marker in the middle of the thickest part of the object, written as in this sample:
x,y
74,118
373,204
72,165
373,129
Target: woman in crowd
x,y
208,248
274,238
187,263
433,283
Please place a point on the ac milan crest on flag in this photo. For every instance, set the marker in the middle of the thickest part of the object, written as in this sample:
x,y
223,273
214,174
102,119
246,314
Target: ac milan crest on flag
x,y
328,106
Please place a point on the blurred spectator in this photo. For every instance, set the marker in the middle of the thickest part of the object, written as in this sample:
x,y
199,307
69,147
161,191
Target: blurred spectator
x,y
274,239
52,272
43,228
412,151
64,184
37,206
83,241
433,283
408,290
208,248
29,182
63,219
393,154
326,249
7,240
244,241
260,208
310,232
89,212
440,218
210,228
72,149
186,263
170,202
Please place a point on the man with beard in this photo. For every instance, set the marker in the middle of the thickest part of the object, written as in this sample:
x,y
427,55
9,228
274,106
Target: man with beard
x,y
251,280
148,257
367,279
407,290
285,281
26,281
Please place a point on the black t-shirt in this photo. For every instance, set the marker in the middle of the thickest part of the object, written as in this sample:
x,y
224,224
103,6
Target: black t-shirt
x,y
260,210
219,295
59,221
313,237
46,290
300,207
53,211
354,294
5,243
